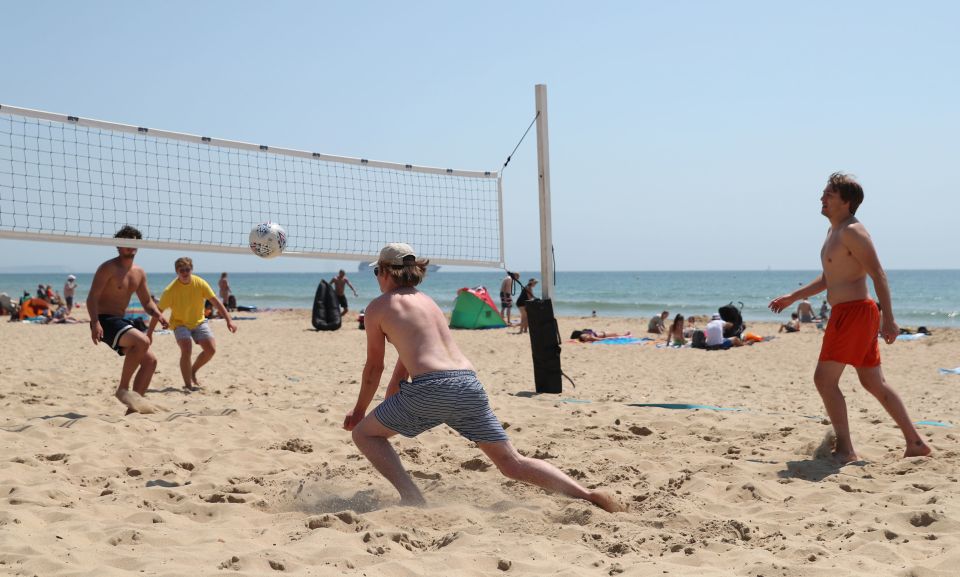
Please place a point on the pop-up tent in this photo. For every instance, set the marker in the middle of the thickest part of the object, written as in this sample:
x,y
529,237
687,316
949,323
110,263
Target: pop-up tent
x,y
474,309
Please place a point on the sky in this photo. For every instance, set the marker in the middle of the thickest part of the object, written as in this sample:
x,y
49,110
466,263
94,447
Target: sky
x,y
688,135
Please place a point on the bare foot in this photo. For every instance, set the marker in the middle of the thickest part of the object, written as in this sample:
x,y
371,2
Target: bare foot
x,y
917,449
844,457
134,401
190,388
606,502
193,379
413,502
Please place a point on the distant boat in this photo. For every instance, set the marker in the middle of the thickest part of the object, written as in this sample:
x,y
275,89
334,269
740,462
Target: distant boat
x,y
365,266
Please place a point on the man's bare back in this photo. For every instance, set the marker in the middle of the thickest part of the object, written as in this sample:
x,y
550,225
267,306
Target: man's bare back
x,y
417,328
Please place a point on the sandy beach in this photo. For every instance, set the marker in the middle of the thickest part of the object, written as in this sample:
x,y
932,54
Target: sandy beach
x,y
254,475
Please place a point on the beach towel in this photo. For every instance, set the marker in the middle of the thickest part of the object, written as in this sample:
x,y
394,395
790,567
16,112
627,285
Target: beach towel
x,y
955,371
911,337
622,341
682,406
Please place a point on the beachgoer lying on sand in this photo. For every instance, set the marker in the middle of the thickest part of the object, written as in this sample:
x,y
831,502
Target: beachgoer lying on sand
x,y
590,335
444,388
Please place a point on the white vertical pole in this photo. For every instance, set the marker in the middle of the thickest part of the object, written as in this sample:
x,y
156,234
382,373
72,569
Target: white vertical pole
x,y
543,166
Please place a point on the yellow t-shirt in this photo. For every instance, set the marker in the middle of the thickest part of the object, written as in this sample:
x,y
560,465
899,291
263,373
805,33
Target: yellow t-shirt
x,y
186,301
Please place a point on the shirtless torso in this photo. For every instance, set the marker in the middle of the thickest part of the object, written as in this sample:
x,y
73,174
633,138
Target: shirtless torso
x,y
417,328
115,282
845,277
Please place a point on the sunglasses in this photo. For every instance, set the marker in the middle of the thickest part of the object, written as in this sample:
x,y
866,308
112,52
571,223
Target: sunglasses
x,y
184,269
376,271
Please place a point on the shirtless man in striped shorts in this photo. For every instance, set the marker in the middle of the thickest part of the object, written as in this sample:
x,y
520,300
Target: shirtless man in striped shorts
x,y
444,387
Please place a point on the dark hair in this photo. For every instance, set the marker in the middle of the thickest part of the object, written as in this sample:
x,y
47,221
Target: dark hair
x,y
128,232
848,188
410,273
575,335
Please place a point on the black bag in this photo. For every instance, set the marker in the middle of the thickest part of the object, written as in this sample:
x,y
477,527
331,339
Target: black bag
x,y
545,345
326,309
698,340
731,314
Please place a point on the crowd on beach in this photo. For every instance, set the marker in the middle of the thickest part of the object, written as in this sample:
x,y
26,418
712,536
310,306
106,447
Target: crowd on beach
x,y
46,305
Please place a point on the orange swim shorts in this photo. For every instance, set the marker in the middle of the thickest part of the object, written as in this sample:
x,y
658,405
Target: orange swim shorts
x,y
851,336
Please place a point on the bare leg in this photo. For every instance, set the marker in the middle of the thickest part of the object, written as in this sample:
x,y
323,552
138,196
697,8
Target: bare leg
x,y
827,380
186,372
209,347
872,380
137,353
542,474
371,437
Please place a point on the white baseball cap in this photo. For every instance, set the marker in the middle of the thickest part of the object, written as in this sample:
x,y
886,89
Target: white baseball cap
x,y
71,277
394,253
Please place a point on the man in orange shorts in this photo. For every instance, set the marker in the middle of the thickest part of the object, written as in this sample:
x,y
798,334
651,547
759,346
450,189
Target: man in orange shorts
x,y
848,257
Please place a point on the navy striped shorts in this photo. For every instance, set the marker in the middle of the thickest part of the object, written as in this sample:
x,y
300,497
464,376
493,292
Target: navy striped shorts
x,y
453,397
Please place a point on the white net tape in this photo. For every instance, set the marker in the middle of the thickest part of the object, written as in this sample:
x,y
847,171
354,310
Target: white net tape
x,y
78,180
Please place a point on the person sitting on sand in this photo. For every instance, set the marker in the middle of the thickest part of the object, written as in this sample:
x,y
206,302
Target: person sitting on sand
x,y
186,296
444,388
675,333
113,284
590,335
805,311
657,323
791,326
714,334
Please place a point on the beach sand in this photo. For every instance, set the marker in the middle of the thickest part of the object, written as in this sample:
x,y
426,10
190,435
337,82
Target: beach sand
x,y
254,475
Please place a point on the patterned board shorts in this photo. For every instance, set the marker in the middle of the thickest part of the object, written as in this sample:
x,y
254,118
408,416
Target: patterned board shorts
x,y
453,397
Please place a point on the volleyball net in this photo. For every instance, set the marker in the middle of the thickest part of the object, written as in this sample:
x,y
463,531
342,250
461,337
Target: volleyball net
x,y
70,179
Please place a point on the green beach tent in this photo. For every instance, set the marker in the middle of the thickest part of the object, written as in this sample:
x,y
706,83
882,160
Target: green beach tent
x,y
474,309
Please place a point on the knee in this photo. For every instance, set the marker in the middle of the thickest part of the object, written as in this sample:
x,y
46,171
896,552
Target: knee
x,y
511,467
149,360
824,383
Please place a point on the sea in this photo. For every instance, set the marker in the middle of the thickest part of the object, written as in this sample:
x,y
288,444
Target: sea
x,y
928,298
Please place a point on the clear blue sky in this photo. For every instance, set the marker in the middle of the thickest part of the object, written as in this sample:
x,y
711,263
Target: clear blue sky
x,y
684,135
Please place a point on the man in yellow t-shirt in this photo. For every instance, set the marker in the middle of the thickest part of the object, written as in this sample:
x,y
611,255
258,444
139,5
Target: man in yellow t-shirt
x,y
185,297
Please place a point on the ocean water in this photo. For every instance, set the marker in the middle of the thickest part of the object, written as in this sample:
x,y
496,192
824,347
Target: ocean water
x,y
920,297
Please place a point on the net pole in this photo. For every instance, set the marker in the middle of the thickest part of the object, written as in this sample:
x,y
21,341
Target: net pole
x,y
543,166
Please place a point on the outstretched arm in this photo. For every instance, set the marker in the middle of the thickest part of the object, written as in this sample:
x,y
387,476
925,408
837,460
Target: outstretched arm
x,y
351,287
372,369
222,310
93,304
400,374
150,307
858,242
780,303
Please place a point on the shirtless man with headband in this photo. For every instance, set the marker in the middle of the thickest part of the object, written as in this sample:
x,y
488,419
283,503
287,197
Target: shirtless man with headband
x,y
114,283
444,388
848,257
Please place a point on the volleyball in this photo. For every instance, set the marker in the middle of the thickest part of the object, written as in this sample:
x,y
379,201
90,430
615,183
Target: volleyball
x,y
268,239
